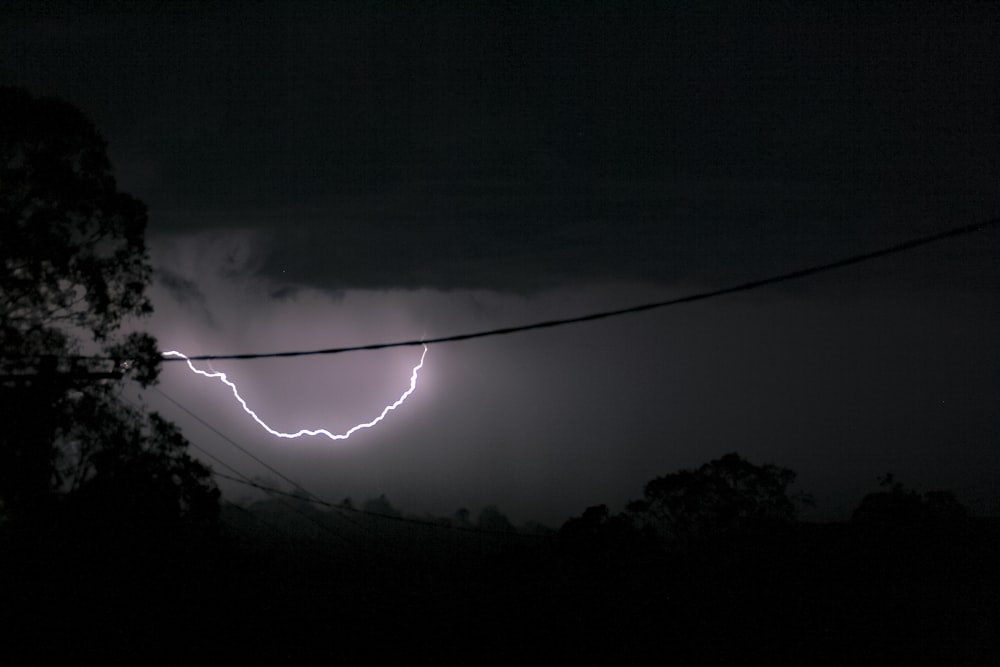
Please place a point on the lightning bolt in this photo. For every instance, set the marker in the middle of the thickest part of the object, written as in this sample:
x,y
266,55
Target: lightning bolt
x,y
221,377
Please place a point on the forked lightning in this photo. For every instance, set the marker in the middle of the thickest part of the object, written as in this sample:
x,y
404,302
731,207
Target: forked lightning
x,y
221,377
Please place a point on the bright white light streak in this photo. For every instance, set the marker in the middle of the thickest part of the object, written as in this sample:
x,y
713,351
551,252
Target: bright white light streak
x,y
221,377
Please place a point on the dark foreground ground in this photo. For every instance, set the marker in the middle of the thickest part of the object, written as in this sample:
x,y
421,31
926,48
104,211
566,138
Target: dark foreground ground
x,y
342,590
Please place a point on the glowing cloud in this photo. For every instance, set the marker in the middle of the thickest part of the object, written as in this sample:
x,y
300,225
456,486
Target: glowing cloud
x,y
221,377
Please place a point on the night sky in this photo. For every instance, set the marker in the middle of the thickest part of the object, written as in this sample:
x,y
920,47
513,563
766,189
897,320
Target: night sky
x,y
331,174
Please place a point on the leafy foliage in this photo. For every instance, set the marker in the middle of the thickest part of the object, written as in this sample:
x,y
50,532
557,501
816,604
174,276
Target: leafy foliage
x,y
381,506
726,494
598,538
899,508
72,245
134,468
492,519
75,269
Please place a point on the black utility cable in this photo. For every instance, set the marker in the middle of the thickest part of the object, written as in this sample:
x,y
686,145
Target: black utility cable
x,y
698,296
235,444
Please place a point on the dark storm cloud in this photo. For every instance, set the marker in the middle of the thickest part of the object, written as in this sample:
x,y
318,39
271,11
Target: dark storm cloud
x,y
182,290
518,146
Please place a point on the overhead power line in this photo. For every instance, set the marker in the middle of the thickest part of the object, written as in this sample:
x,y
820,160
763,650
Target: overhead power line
x,y
225,437
248,453
243,479
590,317
306,495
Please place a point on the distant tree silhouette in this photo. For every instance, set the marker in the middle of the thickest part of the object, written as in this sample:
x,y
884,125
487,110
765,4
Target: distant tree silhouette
x,y
897,508
491,518
75,267
462,518
601,538
724,495
589,524
380,505
532,527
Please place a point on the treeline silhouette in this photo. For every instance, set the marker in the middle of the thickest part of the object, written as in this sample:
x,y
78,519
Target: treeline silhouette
x,y
710,566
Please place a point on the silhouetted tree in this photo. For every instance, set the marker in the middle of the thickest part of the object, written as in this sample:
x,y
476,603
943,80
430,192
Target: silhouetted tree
x,y
897,508
724,495
72,245
491,518
532,527
586,527
380,505
600,538
139,477
74,268
462,518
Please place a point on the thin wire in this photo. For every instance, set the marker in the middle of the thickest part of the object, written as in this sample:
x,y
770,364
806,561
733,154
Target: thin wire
x,y
241,478
698,296
193,445
225,437
254,516
247,480
310,496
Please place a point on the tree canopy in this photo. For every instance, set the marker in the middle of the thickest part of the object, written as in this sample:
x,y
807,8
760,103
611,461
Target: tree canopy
x,y
72,245
75,269
726,494
896,508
